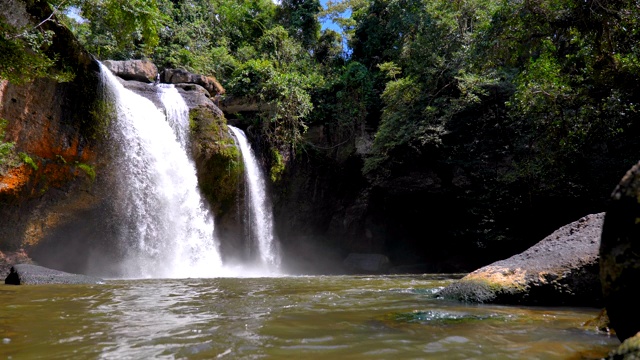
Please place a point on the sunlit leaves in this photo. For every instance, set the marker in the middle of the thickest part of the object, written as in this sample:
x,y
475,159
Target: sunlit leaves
x,y
300,17
23,49
120,29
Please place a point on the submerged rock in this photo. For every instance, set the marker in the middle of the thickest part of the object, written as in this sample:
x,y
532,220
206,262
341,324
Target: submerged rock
x,y
620,256
140,70
367,263
562,269
29,274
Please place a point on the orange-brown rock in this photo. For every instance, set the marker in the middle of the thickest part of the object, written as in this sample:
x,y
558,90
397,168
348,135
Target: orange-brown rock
x,y
40,129
14,180
54,131
36,126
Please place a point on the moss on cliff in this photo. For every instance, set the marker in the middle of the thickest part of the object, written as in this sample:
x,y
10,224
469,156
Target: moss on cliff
x,y
217,159
277,165
6,149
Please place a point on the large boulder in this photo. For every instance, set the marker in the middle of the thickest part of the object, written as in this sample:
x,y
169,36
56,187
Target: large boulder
x,y
140,70
181,76
195,96
29,274
562,269
144,89
620,256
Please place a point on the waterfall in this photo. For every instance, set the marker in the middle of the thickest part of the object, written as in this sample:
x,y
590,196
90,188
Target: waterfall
x,y
177,112
164,226
260,221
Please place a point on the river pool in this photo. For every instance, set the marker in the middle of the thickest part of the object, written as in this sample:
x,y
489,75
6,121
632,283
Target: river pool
x,y
308,317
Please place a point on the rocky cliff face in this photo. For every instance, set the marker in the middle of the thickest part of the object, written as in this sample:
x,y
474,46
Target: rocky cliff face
x,y
52,131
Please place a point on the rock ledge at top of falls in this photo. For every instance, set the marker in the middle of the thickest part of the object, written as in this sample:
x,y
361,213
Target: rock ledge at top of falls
x,y
561,269
29,274
195,96
181,76
140,70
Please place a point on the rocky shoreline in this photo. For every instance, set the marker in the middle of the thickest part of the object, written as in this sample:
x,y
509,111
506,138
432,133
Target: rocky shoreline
x,y
30,274
10,258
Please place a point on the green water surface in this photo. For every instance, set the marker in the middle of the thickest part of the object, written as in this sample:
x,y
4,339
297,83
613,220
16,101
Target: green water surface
x,y
318,317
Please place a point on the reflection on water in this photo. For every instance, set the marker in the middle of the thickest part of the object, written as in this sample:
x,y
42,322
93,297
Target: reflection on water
x,y
384,317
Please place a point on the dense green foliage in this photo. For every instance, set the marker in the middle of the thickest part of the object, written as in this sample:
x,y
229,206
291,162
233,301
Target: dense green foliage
x,y
565,70
300,17
120,29
5,147
559,74
23,47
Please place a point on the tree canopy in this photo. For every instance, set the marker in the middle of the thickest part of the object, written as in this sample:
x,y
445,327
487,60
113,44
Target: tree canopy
x,y
556,75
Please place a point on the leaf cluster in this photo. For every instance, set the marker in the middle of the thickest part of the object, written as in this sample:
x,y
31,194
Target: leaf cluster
x,y
23,47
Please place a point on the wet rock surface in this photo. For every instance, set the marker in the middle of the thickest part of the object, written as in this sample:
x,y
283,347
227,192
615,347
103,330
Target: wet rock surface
x,y
195,96
562,269
29,274
620,256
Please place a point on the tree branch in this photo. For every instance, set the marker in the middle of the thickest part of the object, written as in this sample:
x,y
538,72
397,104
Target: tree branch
x,y
55,10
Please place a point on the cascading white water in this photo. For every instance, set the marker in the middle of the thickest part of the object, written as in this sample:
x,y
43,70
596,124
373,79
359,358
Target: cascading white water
x,y
260,214
177,112
166,229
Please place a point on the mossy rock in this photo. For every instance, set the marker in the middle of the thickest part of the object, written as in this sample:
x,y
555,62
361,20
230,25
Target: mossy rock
x,y
484,287
218,161
600,323
628,350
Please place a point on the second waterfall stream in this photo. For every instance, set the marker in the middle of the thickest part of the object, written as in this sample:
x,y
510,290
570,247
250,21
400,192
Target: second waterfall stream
x,y
259,216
